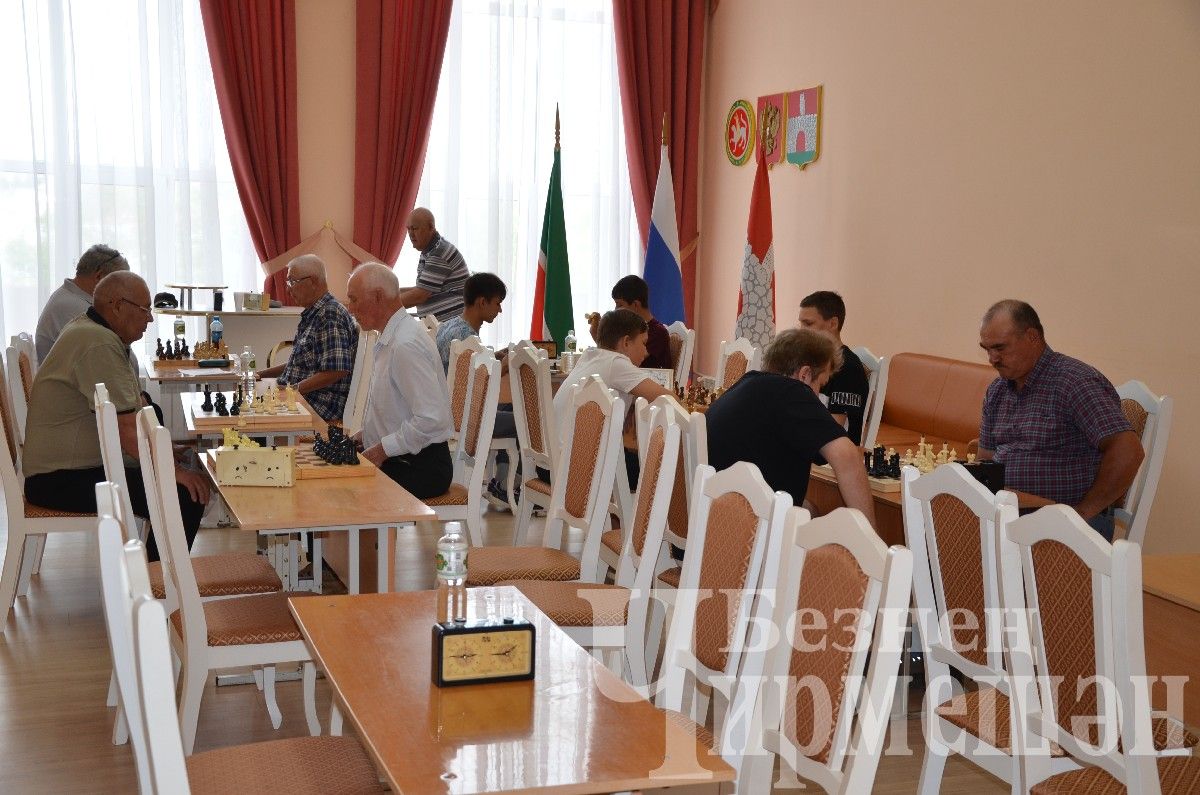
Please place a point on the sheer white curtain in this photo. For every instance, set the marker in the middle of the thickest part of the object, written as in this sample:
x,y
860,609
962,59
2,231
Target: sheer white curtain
x,y
492,145
112,134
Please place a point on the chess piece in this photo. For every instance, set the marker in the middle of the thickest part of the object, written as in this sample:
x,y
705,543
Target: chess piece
x,y
207,405
293,398
185,353
159,353
236,409
894,465
222,408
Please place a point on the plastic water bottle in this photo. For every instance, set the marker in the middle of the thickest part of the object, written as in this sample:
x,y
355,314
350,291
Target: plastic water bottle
x,y
180,328
247,368
215,330
570,344
451,573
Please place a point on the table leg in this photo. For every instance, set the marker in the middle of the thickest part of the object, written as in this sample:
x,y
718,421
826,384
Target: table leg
x,y
352,554
383,558
293,563
318,575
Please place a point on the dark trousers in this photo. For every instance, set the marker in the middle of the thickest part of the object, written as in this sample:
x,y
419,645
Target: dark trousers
x,y
423,474
75,490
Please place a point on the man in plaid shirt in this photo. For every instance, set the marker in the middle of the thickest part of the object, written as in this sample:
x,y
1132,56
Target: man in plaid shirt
x,y
1054,422
326,340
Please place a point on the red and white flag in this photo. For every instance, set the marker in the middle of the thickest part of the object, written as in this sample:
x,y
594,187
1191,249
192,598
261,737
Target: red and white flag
x,y
756,296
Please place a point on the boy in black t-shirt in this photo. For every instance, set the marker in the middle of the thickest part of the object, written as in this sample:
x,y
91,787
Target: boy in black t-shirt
x,y
847,387
774,419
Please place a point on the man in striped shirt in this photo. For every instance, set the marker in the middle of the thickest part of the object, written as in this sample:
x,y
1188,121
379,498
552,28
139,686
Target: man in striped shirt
x,y
441,271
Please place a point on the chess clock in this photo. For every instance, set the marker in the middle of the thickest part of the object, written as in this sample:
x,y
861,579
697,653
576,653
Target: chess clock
x,y
492,650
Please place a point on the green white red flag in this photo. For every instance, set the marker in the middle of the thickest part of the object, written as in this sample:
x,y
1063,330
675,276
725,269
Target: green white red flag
x,y
552,311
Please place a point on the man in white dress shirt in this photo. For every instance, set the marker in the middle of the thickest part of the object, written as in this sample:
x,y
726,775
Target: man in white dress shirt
x,y
407,420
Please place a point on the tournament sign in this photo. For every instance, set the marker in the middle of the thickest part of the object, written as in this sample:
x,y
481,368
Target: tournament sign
x,y
739,132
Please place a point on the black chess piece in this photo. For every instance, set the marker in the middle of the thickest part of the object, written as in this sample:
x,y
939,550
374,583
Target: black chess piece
x,y
894,465
175,353
222,408
320,446
185,354
867,461
207,405
879,462
159,353
236,409
348,454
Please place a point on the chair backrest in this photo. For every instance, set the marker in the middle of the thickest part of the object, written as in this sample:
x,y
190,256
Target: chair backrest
x,y
533,409
1150,416
431,324
471,454
872,364
873,415
360,382
1077,640
10,464
683,346
278,350
110,452
461,352
168,767
833,672
736,522
582,485
660,461
950,526
737,358
21,361
124,580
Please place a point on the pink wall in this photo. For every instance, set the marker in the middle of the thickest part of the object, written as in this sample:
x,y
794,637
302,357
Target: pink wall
x,y
977,151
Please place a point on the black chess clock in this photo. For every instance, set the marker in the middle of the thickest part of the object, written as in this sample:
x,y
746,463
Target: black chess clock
x,y
491,650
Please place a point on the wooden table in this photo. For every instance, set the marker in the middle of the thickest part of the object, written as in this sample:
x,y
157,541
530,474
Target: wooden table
x,y
1171,625
347,505
289,427
889,517
576,728
171,382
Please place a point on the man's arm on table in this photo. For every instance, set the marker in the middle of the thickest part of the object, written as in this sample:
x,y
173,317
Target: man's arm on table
x,y
195,482
1120,456
412,296
320,380
847,463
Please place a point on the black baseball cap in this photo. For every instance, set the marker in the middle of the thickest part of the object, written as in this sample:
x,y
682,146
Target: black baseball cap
x,y
165,301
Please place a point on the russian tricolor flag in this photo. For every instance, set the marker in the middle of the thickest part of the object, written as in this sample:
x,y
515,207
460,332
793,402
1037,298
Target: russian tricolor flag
x,y
662,272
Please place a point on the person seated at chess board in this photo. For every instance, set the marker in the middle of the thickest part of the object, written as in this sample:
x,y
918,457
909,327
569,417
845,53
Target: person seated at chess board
x,y
407,424
62,460
774,419
622,335
632,293
847,388
483,293
326,340
1054,422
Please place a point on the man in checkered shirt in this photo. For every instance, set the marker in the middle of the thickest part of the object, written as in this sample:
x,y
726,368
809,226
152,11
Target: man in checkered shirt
x,y
326,340
1054,422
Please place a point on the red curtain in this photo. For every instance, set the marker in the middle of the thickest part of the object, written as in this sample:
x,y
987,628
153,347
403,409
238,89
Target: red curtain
x,y
400,44
660,59
252,47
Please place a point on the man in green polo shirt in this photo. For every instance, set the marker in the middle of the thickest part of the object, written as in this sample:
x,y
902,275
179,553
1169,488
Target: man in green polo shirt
x,y
62,461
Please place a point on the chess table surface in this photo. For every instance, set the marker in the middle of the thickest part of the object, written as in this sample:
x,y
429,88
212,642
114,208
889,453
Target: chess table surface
x,y
200,423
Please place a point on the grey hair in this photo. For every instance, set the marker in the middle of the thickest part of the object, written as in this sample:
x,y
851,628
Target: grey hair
x,y
1023,315
101,259
377,276
311,264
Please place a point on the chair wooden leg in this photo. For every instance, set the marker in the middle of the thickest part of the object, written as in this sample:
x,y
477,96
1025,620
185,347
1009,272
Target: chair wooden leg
x,y
269,695
113,693
13,555
258,678
39,551
310,699
524,514
335,719
120,734
30,562
932,768
510,480
194,678
635,659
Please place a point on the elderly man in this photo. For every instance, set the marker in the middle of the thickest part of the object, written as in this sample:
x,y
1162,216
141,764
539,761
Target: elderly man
x,y
62,460
326,340
847,388
408,421
1054,422
74,297
774,419
441,271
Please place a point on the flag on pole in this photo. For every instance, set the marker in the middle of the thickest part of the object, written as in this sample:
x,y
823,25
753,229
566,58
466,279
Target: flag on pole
x,y
662,271
756,296
552,311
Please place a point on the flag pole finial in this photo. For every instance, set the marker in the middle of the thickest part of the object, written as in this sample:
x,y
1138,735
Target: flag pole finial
x,y
664,130
556,128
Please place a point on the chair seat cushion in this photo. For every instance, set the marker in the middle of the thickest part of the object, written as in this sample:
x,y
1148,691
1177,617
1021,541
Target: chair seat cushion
x,y
537,484
985,714
235,574
1177,775
300,765
577,604
263,618
490,565
671,576
702,735
38,512
613,539
457,495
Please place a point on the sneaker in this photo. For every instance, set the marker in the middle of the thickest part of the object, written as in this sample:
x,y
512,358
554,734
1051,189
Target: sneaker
x,y
496,491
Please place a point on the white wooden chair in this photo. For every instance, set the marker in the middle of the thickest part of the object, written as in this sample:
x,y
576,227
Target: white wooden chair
x,y
249,631
1150,416
612,618
683,346
457,376
26,522
1076,608
712,661
737,358
431,324
464,500
872,364
950,524
360,382
537,432
137,628
832,567
878,395
578,499
22,363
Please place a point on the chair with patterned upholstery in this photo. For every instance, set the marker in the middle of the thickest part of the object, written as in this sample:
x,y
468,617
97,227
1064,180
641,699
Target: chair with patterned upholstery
x,y
26,522
579,497
360,382
825,698
21,361
457,378
612,543
1150,416
249,631
737,358
137,628
464,500
682,341
612,618
950,526
1079,647
537,433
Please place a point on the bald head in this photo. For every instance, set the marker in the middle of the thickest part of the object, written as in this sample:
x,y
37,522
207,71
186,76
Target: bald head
x,y
123,300
118,285
373,295
306,279
421,229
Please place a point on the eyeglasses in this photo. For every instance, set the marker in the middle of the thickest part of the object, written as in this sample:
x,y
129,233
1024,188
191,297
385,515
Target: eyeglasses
x,y
144,309
294,282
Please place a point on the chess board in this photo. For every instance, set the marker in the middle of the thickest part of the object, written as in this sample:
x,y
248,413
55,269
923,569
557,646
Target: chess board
x,y
285,419
882,485
310,466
